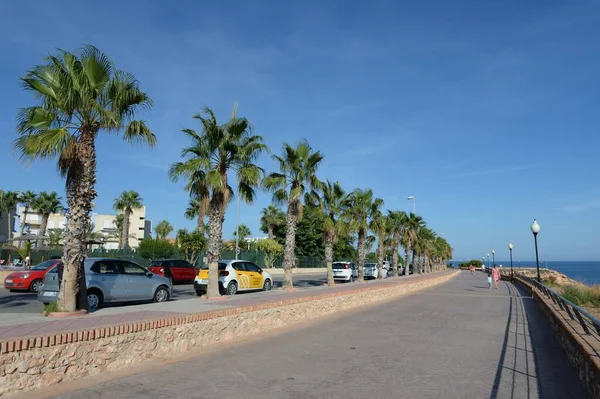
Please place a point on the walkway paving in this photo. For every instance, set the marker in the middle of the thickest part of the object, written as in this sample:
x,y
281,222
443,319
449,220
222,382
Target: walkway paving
x,y
458,340
22,325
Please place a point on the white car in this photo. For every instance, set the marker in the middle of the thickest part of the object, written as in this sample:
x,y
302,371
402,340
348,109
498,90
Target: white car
x,y
344,271
234,276
371,270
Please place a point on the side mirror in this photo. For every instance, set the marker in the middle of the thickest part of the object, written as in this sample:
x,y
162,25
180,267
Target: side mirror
x,y
149,274
260,270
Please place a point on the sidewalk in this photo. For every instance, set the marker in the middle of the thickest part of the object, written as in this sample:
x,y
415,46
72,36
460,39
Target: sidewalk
x,y
25,326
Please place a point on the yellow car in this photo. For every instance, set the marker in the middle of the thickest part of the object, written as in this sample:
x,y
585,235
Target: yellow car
x,y
234,276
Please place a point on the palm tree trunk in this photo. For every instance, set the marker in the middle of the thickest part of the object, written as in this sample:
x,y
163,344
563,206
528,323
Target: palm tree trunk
x,y
126,216
270,231
380,258
43,228
200,223
329,259
361,254
395,245
415,265
80,195
23,222
289,257
215,241
407,260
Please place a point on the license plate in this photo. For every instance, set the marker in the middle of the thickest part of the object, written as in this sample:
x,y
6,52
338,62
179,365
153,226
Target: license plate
x,y
8,281
50,293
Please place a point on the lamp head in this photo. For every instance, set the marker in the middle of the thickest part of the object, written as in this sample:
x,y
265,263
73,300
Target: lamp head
x,y
510,246
493,251
535,227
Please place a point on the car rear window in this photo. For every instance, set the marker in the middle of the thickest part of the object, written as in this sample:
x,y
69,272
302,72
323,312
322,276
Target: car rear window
x,y
156,263
340,265
371,265
222,266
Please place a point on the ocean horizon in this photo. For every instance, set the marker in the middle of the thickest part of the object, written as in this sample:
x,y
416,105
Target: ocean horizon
x,y
587,272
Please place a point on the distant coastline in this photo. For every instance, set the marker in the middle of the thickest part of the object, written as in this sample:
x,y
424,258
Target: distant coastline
x,y
587,272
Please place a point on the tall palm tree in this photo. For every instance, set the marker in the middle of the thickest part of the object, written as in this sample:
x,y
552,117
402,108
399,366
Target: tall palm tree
x,y
8,202
409,238
208,161
360,207
46,204
271,218
332,204
163,229
379,226
197,208
396,224
424,244
26,199
297,177
126,203
80,95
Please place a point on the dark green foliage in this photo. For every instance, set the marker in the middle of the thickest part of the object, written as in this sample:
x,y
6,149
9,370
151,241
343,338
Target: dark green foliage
x,y
156,249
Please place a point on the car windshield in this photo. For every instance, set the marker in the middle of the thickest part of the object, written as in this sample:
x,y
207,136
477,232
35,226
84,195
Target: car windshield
x,y
44,265
340,265
222,266
371,265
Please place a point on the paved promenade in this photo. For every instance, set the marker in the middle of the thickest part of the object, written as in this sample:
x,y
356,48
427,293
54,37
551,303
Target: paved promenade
x,y
458,340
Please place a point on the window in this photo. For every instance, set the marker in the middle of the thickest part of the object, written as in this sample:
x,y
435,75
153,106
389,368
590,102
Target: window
x,y
239,266
106,224
185,264
132,268
251,267
106,267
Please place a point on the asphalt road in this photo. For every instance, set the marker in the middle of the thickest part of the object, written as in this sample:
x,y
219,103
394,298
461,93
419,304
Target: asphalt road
x,y
458,340
26,302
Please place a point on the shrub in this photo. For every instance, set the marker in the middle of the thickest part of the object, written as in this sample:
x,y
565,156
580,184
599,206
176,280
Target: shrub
x,y
156,249
581,295
50,308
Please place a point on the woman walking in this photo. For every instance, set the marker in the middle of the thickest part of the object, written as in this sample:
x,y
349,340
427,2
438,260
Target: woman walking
x,y
495,276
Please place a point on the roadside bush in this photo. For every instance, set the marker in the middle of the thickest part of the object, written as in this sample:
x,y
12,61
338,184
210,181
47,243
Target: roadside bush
x,y
50,308
581,295
156,249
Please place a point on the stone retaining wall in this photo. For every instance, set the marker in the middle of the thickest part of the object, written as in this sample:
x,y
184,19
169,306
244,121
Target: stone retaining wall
x,y
42,361
572,338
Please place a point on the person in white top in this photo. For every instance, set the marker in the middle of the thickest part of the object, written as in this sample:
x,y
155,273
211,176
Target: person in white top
x,y
483,268
27,260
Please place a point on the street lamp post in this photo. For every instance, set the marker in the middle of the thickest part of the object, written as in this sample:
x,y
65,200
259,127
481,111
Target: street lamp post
x,y
414,200
488,261
510,248
535,229
493,257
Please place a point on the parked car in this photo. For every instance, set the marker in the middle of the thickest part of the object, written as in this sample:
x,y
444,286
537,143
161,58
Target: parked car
x,y
344,271
29,280
234,276
112,280
371,270
179,270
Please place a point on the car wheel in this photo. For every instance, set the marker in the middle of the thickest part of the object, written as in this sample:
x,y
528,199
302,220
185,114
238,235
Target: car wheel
x,y
94,299
161,294
232,288
36,285
267,285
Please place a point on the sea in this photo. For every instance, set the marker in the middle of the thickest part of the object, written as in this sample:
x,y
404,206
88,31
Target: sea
x,y
587,272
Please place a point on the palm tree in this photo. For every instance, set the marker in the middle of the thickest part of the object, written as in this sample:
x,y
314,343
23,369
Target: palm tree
x,y
197,209
271,218
46,204
360,207
297,178
8,202
26,199
379,226
55,237
126,203
209,160
244,232
409,238
332,205
80,94
424,244
396,224
163,229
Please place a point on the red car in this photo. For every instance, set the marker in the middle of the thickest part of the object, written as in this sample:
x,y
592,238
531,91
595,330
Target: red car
x,y
179,270
29,280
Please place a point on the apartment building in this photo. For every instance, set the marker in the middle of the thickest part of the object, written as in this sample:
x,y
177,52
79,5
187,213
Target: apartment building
x,y
103,224
7,223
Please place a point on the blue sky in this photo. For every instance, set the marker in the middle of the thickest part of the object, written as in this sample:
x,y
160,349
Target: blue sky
x,y
486,111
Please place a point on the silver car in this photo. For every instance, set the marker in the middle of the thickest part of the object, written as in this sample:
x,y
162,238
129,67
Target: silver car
x,y
112,280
